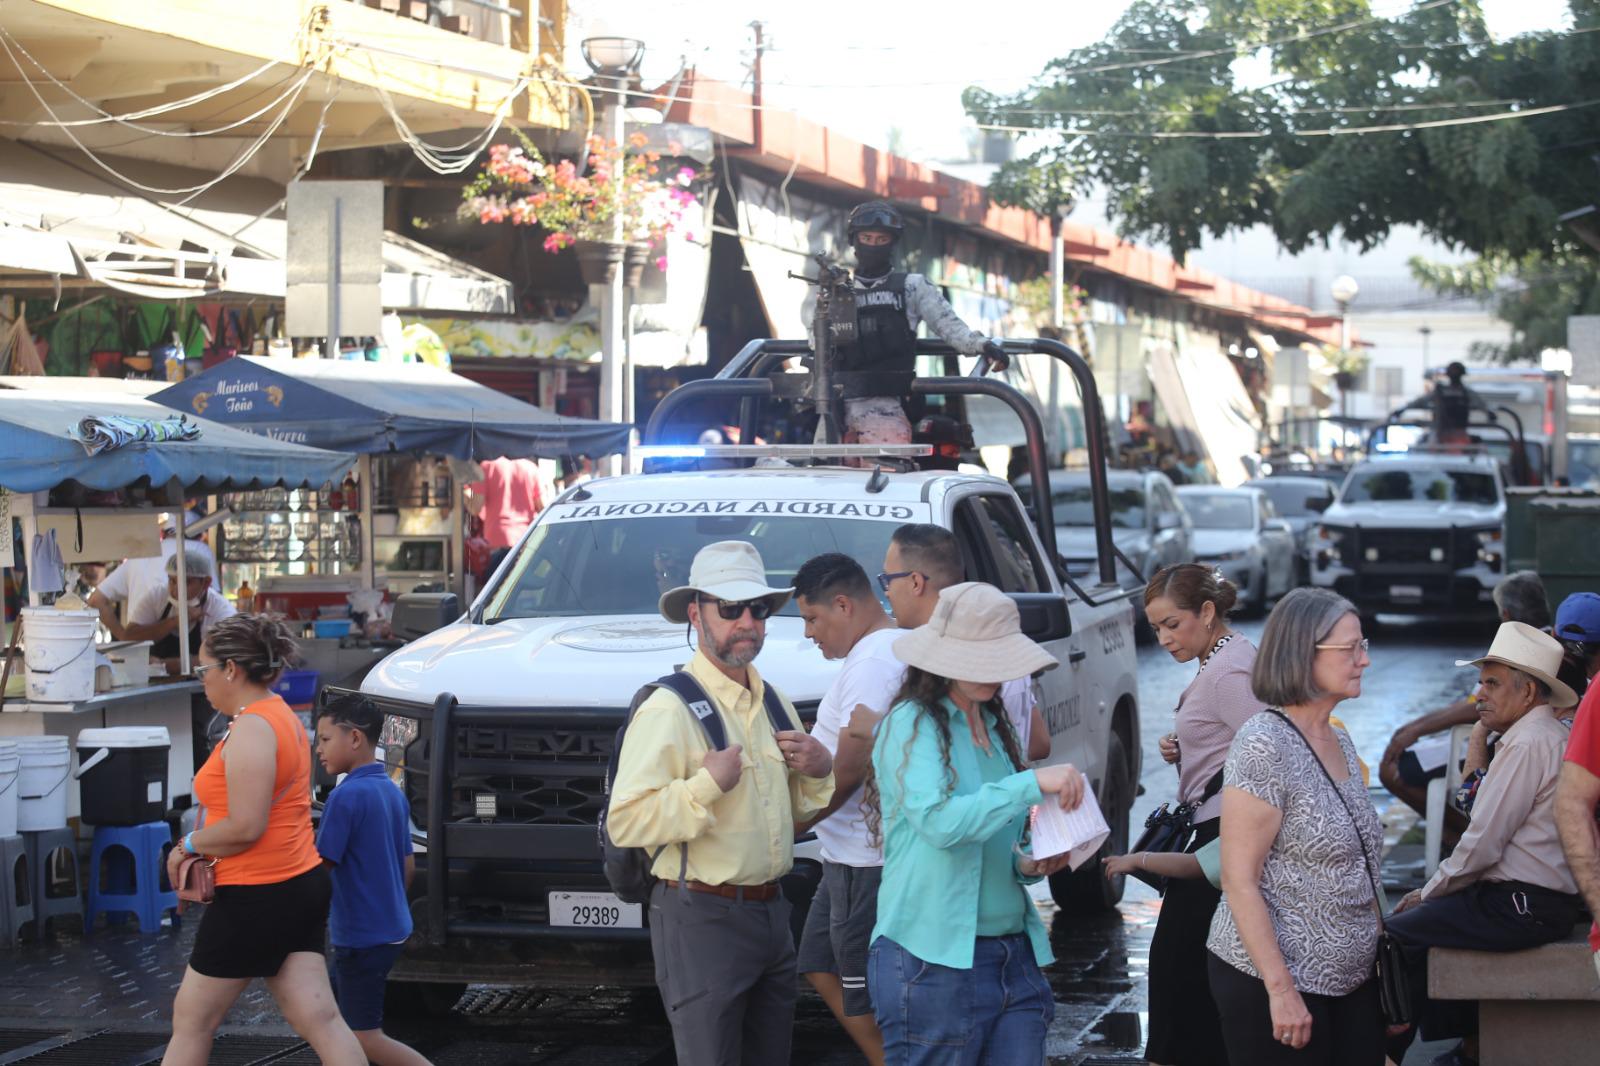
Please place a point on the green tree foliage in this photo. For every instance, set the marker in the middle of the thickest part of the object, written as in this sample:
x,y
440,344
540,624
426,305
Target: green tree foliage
x,y
1171,117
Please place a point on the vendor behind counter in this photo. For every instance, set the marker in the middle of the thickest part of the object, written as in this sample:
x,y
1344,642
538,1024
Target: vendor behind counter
x,y
154,616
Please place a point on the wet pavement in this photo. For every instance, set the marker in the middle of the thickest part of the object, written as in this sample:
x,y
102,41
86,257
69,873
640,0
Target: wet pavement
x,y
106,999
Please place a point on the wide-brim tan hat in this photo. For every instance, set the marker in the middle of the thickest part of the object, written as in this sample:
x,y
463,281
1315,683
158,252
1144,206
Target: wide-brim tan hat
x,y
1534,652
975,634
728,570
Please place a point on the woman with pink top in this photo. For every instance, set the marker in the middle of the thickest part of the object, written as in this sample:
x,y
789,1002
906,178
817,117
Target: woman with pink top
x,y
1187,606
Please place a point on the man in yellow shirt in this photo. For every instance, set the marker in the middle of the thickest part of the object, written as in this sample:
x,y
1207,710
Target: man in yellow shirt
x,y
721,824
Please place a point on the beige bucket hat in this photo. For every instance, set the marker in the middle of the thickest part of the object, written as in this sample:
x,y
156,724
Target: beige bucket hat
x,y
729,570
975,634
1534,652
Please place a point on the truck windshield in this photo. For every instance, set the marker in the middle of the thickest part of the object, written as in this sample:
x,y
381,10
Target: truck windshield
x,y
1432,486
1075,507
623,565
1215,510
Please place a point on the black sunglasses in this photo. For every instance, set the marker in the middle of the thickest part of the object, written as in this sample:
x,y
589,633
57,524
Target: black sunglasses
x,y
885,580
733,610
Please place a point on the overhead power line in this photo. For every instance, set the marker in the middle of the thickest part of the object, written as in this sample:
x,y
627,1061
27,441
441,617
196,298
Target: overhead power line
x,y
1331,131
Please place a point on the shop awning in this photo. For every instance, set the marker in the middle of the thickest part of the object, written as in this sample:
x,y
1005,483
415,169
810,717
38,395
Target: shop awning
x,y
384,407
37,453
1163,366
59,218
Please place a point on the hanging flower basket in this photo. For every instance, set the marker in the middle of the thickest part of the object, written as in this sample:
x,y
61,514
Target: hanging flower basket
x,y
638,254
599,261
618,192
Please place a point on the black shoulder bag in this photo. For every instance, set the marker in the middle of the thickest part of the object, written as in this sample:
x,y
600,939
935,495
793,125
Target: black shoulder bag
x,y
1170,829
1394,979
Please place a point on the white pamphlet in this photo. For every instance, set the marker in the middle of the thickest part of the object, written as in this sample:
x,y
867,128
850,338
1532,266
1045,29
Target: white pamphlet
x,y
1079,831
1432,752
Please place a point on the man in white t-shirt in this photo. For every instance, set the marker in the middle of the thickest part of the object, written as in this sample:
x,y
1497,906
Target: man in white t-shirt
x,y
922,561
136,579
154,617
847,622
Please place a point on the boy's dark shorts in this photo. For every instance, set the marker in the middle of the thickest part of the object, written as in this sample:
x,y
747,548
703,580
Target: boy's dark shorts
x,y
839,930
359,976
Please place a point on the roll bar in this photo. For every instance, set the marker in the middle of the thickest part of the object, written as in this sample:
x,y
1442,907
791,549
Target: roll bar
x,y
746,379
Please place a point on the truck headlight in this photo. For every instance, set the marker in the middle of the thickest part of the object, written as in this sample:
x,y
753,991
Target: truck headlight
x,y
1491,548
393,739
1326,546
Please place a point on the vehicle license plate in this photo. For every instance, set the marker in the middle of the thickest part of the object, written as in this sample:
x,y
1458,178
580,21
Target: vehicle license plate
x,y
594,910
1405,592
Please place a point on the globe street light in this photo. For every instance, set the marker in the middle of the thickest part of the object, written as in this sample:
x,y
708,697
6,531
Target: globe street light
x,y
614,61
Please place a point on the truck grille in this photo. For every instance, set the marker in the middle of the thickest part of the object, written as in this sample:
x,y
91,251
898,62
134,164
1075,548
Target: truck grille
x,y
538,776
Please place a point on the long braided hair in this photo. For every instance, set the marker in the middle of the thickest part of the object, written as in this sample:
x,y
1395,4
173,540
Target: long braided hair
x,y
926,691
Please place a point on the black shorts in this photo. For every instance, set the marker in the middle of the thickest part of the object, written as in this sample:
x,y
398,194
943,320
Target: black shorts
x,y
839,930
1412,773
359,977
248,930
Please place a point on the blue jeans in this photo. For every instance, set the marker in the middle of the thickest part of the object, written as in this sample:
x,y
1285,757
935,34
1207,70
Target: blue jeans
x,y
994,1014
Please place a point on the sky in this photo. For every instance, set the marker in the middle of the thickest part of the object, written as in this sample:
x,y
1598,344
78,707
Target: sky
x,y
880,71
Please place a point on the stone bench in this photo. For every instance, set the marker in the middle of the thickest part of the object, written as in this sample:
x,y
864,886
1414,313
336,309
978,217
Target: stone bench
x,y
1536,1006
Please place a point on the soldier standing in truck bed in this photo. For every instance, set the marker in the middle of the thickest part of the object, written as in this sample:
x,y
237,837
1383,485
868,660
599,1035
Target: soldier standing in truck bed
x,y
889,305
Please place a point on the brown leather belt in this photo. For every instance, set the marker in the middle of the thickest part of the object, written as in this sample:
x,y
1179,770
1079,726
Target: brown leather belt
x,y
751,893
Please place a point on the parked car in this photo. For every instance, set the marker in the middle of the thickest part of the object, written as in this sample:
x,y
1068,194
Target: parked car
x,y
1300,502
1239,532
1147,522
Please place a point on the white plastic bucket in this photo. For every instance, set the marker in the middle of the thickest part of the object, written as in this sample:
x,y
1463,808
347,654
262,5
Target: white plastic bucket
x,y
44,764
9,764
60,653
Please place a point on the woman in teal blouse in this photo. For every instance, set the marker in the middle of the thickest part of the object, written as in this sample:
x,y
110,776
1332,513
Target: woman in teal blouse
x,y
954,964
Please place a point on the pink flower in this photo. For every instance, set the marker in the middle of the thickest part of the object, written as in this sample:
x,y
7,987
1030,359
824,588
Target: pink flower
x,y
685,176
661,262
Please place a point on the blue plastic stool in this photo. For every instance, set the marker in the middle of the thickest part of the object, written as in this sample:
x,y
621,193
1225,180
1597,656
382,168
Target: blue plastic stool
x,y
131,860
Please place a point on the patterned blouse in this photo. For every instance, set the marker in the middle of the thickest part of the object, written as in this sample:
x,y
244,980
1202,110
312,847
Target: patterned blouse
x,y
1314,879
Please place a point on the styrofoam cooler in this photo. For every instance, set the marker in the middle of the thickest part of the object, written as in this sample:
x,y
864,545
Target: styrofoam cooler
x,y
59,653
43,767
122,774
10,763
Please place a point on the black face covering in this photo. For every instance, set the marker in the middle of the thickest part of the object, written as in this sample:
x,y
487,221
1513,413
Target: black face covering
x,y
872,260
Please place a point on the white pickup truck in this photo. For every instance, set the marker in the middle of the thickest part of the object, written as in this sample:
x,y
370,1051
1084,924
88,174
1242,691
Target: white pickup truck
x,y
502,721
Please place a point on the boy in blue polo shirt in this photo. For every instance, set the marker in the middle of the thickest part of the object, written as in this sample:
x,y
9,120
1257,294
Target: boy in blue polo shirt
x,y
366,841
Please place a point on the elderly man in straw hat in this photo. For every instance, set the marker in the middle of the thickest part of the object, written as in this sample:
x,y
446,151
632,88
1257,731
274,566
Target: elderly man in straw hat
x,y
719,926
1507,885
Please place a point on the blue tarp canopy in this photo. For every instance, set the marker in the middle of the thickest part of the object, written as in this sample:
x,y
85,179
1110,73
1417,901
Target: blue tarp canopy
x,y
384,407
37,453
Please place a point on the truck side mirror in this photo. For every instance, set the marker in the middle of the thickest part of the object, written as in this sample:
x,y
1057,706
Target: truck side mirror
x,y
417,614
1319,503
1044,615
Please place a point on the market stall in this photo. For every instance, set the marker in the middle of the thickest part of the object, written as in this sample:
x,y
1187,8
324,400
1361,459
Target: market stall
x,y
397,524
99,496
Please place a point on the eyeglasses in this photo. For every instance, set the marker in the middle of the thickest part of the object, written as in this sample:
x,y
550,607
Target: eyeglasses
x,y
885,580
1356,650
732,611
200,671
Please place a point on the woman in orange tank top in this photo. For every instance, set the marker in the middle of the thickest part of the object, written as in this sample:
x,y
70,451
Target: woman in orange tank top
x,y
270,914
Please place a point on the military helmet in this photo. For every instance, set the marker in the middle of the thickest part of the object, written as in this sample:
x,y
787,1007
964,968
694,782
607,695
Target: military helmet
x,y
876,214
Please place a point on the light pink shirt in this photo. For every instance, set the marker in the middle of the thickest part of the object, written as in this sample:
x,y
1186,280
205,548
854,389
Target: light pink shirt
x,y
1210,711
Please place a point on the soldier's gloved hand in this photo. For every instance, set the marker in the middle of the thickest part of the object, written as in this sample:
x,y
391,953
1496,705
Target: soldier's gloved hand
x,y
996,355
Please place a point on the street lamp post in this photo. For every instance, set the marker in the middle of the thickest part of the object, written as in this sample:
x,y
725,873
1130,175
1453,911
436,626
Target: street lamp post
x,y
1344,290
614,61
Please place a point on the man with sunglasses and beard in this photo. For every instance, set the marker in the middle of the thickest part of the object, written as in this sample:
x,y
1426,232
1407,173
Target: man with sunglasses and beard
x,y
720,825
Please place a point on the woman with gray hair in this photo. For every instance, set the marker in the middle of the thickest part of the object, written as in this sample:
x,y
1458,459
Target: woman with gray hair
x,y
1295,938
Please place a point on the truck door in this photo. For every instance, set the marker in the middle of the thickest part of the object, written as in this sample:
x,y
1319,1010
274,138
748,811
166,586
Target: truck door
x,y
999,548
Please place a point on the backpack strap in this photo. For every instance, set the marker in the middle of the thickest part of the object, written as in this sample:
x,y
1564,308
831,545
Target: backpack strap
x,y
776,712
687,689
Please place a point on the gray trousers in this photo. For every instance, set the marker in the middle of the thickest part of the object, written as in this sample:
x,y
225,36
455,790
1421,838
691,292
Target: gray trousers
x,y
726,971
